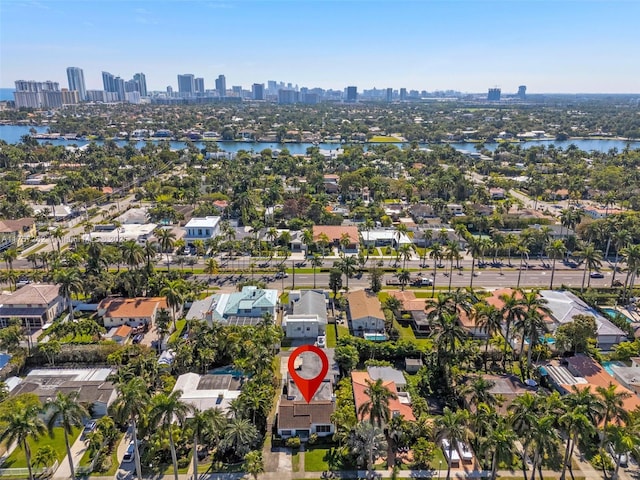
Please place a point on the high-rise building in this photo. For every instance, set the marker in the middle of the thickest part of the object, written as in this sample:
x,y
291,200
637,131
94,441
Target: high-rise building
x,y
141,80
389,95
287,97
75,76
403,94
119,84
108,81
199,85
32,94
69,97
169,91
257,89
352,94
221,86
522,92
186,85
494,95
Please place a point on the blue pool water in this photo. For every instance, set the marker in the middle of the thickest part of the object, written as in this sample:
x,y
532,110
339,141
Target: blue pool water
x,y
228,370
4,359
607,366
612,312
375,337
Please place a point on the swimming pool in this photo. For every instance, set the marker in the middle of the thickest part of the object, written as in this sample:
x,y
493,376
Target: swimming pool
x,y
4,359
375,337
612,312
228,370
607,366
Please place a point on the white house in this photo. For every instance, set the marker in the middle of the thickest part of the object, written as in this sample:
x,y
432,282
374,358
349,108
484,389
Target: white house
x,y
209,391
308,318
134,312
384,237
201,228
238,308
34,304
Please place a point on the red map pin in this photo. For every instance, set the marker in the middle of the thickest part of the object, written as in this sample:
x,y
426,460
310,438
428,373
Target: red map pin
x,y
308,386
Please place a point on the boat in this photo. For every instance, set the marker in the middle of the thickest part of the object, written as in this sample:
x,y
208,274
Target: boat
x,y
465,452
446,448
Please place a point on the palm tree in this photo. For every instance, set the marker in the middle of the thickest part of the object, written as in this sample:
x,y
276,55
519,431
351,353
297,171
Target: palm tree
x,y
474,248
9,256
489,318
592,259
167,240
524,413
254,463
210,423
323,241
367,443
70,282
132,253
211,266
555,250
19,423
404,276
531,323
631,256
347,265
131,404
239,436
316,261
436,255
501,442
167,410
452,426
377,405
405,252
452,252
623,440
544,441
523,251
66,410
174,291
613,406
622,239
576,424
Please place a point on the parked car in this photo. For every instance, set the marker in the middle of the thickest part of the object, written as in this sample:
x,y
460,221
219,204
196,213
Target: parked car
x,y
321,341
282,275
596,275
88,428
129,454
138,338
624,457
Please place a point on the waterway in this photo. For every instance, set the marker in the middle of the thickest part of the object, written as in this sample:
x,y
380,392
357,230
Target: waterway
x,y
12,134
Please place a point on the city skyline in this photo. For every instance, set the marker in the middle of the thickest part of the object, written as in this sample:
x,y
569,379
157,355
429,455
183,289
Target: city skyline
x,y
552,47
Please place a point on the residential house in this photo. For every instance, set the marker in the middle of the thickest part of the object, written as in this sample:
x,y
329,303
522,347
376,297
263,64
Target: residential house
x,y
120,334
365,313
628,376
112,233
58,213
247,307
388,374
335,234
384,237
209,391
308,317
565,305
297,418
34,304
201,228
421,211
497,193
331,183
15,233
91,384
416,307
401,405
413,365
134,312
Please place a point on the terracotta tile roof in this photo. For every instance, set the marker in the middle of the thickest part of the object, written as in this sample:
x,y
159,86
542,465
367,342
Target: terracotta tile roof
x,y
300,415
140,307
335,232
597,376
16,226
359,381
123,331
363,305
409,301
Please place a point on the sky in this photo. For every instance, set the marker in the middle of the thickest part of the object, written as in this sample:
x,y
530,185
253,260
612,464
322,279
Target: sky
x,y
559,46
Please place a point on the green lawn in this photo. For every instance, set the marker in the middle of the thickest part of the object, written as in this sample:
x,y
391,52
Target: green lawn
x,y
18,460
86,460
343,331
180,324
331,335
314,460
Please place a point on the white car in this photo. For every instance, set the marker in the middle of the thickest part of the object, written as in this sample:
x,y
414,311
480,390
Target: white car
x,y
321,342
624,458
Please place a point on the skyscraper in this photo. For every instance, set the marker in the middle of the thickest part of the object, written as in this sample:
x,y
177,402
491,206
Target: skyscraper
x,y
199,85
31,94
186,85
258,91
403,94
75,76
221,86
141,80
522,92
389,95
494,95
108,81
352,94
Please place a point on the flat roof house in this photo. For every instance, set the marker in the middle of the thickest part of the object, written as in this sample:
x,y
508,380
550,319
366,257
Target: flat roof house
x,y
134,312
308,318
201,228
34,304
209,391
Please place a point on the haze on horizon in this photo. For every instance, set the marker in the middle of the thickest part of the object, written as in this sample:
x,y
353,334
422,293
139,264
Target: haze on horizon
x,y
559,46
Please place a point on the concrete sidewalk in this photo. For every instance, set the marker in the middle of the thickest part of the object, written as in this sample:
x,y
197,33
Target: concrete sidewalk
x,y
77,451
